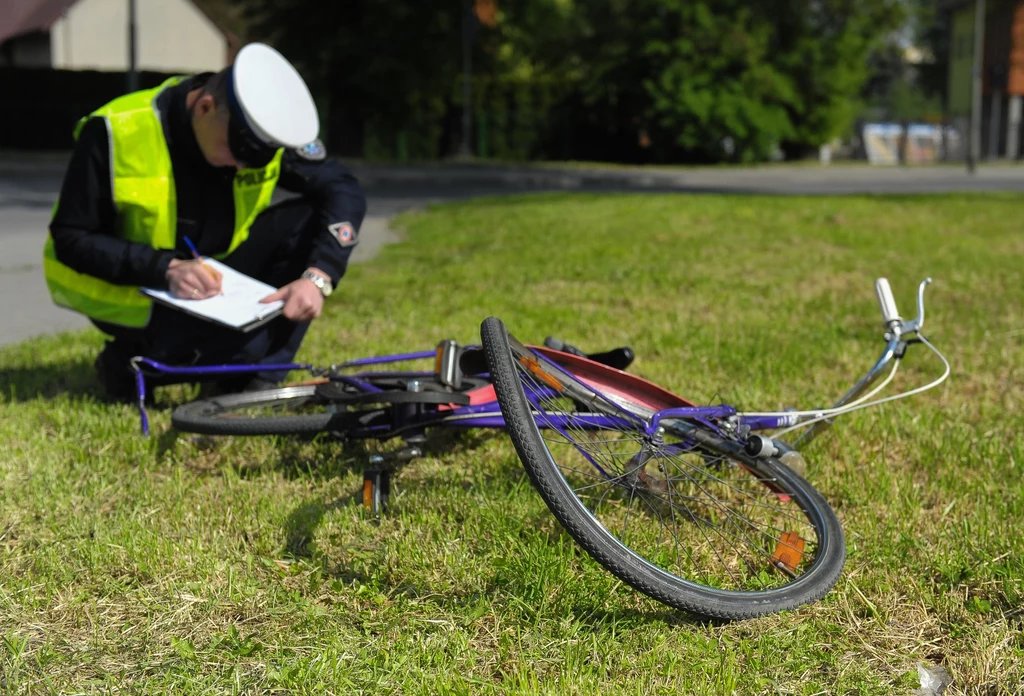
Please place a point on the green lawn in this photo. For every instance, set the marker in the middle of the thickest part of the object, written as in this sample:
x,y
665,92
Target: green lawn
x,y
171,565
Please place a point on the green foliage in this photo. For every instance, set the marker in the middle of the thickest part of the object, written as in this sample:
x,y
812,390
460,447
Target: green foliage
x,y
381,65
646,80
931,33
907,91
909,102
757,75
694,76
513,115
714,84
823,46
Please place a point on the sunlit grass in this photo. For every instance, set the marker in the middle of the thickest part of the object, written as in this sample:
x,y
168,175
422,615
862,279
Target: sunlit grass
x,y
173,565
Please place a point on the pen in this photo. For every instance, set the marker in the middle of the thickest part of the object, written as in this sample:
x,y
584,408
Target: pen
x,y
195,253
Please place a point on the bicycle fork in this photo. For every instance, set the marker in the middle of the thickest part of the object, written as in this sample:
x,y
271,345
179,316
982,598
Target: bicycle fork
x,y
894,350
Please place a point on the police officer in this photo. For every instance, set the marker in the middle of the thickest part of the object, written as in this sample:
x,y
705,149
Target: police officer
x,y
201,157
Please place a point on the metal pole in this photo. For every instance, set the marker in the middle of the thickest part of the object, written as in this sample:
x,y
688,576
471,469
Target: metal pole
x,y
995,118
974,150
133,75
467,72
1013,129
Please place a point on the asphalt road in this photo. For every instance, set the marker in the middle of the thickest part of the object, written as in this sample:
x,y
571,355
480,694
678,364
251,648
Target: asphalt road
x,y
26,200
29,186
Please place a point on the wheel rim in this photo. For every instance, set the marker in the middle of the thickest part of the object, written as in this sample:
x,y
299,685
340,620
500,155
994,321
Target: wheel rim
x,y
296,400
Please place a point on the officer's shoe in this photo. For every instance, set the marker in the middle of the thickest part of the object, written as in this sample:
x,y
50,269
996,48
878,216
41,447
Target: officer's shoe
x,y
113,368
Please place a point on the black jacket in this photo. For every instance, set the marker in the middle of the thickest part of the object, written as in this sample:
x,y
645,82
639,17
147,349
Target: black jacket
x,y
83,224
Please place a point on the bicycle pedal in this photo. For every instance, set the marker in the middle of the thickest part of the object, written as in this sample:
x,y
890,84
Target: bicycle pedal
x,y
376,491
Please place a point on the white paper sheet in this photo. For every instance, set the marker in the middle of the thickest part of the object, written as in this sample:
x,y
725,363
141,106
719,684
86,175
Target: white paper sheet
x,y
238,305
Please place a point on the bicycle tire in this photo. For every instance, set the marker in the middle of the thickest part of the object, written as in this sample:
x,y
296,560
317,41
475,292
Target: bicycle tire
x,y
210,416
222,415
747,584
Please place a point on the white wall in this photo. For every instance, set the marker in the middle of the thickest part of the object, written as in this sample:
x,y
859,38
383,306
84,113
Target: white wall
x,y
171,36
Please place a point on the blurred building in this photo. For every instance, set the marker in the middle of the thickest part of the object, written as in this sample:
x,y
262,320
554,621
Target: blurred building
x,y
1002,73
172,36
62,59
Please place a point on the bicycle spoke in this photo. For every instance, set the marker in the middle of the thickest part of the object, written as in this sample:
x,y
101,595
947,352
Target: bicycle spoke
x,y
713,518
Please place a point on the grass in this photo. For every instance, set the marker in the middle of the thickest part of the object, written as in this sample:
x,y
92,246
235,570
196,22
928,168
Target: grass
x,y
171,565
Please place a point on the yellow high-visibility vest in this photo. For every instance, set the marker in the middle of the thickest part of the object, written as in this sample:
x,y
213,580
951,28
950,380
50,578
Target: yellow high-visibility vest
x,y
145,204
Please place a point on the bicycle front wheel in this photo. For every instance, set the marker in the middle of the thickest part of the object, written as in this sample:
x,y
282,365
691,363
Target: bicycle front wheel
x,y
681,514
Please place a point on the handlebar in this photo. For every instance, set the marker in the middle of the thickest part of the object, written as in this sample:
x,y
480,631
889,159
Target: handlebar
x,y
897,332
886,302
894,324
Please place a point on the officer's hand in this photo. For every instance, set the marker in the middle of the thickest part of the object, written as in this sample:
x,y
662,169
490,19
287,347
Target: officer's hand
x,y
302,300
191,280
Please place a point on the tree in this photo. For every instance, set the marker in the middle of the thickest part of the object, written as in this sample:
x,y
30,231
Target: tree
x,y
713,85
725,79
388,65
645,80
931,34
823,46
663,80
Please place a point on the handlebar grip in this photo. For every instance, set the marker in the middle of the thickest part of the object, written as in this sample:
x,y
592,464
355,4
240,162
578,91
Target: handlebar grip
x,y
886,301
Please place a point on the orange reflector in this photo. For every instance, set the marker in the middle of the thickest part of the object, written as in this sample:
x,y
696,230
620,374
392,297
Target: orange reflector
x,y
533,365
789,551
437,359
368,493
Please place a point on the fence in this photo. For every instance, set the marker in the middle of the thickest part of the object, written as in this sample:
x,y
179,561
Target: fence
x,y
39,107
512,120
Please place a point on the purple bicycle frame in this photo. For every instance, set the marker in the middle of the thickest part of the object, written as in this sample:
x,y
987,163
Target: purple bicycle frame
x,y
486,415
703,414
198,372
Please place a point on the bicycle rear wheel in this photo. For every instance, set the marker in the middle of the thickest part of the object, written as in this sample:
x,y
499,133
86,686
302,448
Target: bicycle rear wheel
x,y
681,514
306,410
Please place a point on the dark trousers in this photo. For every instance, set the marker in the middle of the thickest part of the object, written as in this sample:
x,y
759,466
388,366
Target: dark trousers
x,y
276,252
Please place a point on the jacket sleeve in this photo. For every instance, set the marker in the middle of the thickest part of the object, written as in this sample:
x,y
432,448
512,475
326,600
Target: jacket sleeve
x,y
337,200
83,224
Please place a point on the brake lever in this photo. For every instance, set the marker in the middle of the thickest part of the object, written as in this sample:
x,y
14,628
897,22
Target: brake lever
x,y
914,325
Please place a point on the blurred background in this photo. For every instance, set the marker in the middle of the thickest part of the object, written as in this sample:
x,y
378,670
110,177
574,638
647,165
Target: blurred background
x,y
625,81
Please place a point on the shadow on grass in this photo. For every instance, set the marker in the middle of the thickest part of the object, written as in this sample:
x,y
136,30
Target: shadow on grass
x,y
621,606
76,378
626,617
302,524
303,521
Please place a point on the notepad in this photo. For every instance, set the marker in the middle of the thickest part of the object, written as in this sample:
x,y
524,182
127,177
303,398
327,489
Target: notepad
x,y
238,305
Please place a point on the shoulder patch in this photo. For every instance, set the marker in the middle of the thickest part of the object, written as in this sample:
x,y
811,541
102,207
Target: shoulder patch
x,y
344,232
314,152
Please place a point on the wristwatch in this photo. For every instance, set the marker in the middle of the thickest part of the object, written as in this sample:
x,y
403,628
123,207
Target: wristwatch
x,y
324,284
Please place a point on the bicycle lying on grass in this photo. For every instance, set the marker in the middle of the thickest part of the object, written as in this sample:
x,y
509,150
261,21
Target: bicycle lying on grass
x,y
377,398
691,505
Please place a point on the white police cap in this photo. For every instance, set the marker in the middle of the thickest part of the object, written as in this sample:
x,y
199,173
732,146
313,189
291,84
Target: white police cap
x,y
273,98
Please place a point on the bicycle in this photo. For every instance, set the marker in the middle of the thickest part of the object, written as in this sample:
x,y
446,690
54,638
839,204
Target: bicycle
x,y
376,402
626,429
690,505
